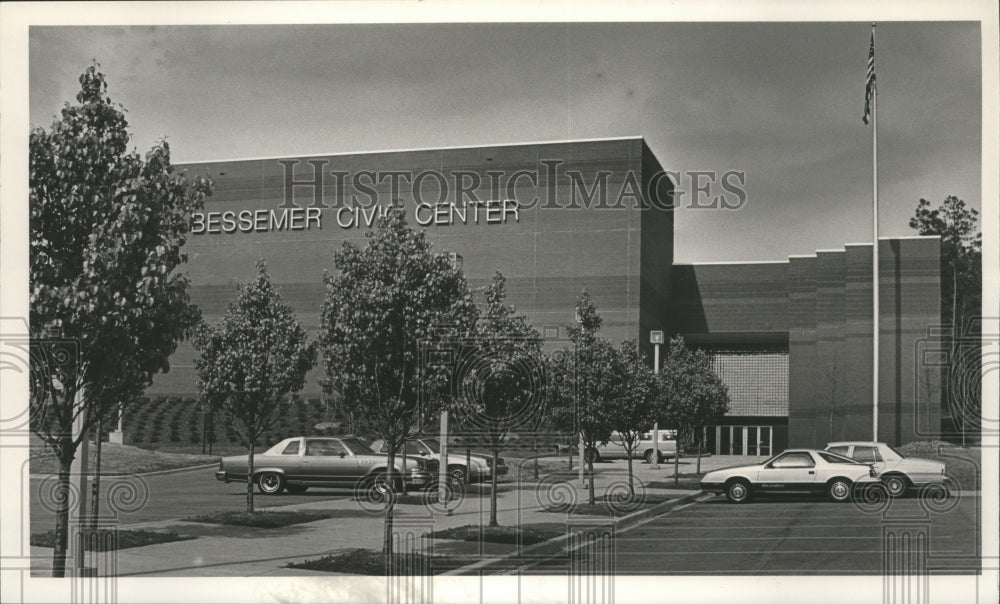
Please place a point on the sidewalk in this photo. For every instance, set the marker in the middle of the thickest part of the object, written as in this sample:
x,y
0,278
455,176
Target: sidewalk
x,y
221,550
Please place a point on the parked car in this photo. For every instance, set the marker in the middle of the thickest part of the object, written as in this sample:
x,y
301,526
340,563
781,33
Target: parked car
x,y
478,469
794,470
297,463
615,448
897,471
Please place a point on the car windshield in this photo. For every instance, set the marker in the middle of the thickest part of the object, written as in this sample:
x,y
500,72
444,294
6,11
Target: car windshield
x,y
357,447
432,444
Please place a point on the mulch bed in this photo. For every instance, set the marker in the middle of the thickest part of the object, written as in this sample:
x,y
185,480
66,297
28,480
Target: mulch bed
x,y
262,519
125,539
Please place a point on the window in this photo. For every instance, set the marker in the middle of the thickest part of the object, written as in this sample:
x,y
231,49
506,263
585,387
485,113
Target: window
x,y
866,454
832,458
842,450
794,460
357,447
292,448
324,448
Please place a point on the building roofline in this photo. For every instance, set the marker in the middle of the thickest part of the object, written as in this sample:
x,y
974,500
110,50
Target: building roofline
x,y
416,149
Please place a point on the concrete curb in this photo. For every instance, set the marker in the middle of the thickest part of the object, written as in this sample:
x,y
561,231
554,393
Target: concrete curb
x,y
556,543
154,473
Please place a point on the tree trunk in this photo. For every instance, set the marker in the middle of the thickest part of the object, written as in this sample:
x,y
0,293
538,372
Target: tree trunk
x,y
590,486
389,502
250,477
493,488
700,440
403,482
631,486
677,457
95,490
62,515
534,451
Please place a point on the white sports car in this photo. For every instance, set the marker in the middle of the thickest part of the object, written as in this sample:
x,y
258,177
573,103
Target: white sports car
x,y
897,471
793,470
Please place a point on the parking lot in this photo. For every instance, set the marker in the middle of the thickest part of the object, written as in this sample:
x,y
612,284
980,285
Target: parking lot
x,y
790,535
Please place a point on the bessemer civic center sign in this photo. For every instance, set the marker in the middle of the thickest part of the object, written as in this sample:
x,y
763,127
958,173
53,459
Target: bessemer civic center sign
x,y
347,217
603,191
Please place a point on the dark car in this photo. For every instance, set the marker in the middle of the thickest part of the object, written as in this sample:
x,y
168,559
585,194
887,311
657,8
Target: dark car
x,y
297,463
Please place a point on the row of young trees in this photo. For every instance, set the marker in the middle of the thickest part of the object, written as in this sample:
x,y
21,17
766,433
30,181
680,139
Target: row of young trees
x,y
107,230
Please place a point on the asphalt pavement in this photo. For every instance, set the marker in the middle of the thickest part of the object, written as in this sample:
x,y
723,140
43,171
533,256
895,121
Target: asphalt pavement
x,y
707,535
790,535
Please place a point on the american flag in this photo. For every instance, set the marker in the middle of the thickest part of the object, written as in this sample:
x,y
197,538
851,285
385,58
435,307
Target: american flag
x,y
870,86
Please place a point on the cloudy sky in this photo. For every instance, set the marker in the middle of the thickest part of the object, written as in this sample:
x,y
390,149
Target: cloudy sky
x,y
780,101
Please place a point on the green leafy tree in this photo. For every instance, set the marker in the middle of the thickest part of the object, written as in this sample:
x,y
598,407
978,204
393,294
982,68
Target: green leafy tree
x,y
252,362
634,403
961,296
106,232
503,391
584,396
693,395
387,302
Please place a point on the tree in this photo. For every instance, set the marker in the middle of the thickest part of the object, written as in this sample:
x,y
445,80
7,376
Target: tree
x,y
693,395
253,360
503,389
106,232
961,295
584,397
387,303
635,401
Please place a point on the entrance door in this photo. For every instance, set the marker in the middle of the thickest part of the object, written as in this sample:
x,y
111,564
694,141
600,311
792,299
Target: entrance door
x,y
739,440
753,440
764,444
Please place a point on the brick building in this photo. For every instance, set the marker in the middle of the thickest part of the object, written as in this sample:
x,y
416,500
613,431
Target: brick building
x,y
558,218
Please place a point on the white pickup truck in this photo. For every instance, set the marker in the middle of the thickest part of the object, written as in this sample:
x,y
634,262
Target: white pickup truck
x,y
615,448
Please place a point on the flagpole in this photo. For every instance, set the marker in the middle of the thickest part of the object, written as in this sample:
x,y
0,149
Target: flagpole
x,y
875,280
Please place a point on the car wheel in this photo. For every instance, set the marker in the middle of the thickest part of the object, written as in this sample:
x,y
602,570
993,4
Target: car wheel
x,y
457,473
738,491
839,490
296,489
591,456
378,487
895,485
270,483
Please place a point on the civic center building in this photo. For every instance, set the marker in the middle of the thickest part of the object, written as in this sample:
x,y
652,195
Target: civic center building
x,y
791,339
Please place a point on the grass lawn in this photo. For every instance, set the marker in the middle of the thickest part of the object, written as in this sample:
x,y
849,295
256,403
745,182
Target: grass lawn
x,y
962,464
528,534
373,562
126,539
262,519
118,459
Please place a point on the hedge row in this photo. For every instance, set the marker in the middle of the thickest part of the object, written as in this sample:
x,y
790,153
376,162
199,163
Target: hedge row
x,y
163,419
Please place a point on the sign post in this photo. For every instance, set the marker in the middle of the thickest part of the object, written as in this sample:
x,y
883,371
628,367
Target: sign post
x,y
656,338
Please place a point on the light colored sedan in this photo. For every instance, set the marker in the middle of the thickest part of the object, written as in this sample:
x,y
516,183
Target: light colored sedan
x,y
643,448
897,471
479,465
792,471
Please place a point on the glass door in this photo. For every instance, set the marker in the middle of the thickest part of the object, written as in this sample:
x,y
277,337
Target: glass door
x,y
764,448
753,442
